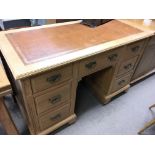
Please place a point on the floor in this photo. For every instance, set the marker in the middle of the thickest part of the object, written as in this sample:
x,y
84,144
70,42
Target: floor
x,y
124,115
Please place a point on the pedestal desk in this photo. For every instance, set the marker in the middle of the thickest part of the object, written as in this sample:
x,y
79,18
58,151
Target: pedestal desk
x,y
46,63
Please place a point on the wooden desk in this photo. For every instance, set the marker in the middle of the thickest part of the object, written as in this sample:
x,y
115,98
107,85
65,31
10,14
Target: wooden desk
x,y
47,62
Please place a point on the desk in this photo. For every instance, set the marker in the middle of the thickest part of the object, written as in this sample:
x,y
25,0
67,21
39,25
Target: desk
x,y
47,62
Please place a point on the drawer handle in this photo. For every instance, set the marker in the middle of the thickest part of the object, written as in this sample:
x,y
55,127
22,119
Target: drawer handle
x,y
58,116
113,57
135,49
91,65
54,78
121,82
128,66
55,99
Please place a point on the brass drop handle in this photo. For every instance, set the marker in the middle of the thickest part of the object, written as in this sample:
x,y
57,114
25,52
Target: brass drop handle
x,y
135,49
54,78
121,82
112,57
128,66
53,118
55,99
91,65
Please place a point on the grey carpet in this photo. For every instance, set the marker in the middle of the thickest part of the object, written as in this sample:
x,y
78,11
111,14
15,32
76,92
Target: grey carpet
x,y
124,115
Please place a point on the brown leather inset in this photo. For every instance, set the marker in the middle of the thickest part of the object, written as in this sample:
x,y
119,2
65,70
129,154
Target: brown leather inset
x,y
36,45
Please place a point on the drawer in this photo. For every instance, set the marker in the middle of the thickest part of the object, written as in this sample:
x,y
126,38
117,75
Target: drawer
x,y
114,55
100,61
121,82
54,117
127,66
134,49
50,79
92,64
53,99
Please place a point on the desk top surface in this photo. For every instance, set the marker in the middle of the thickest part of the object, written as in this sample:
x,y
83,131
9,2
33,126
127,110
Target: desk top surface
x,y
141,24
38,45
34,50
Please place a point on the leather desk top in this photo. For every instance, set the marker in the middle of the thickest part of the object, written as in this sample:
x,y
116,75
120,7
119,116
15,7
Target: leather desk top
x,y
29,51
38,45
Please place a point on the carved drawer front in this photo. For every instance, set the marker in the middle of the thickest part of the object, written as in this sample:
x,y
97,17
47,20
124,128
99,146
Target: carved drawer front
x,y
92,64
54,117
50,79
121,82
134,49
53,99
127,66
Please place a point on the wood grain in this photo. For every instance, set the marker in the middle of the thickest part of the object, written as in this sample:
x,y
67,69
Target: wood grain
x,y
61,74
54,117
69,119
121,82
147,62
4,82
53,99
127,65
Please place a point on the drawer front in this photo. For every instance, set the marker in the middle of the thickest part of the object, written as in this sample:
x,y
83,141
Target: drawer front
x,y
50,79
53,117
53,99
134,49
91,65
127,66
101,61
121,82
114,56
